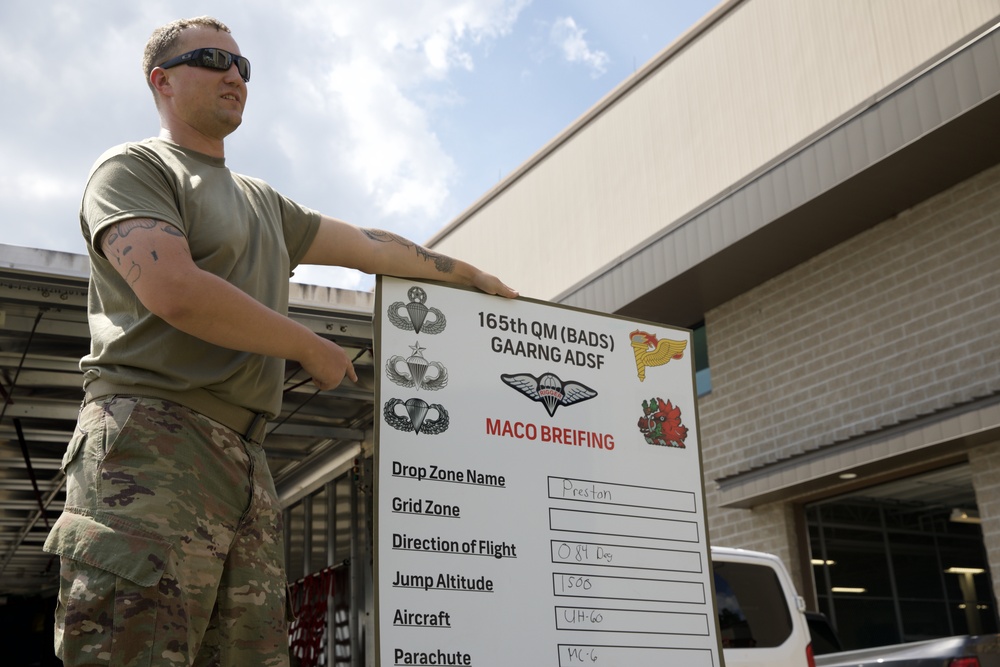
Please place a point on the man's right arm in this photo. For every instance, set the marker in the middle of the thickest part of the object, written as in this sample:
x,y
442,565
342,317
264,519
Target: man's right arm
x,y
153,257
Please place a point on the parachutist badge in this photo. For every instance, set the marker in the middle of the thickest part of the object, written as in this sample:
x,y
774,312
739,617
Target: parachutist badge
x,y
549,390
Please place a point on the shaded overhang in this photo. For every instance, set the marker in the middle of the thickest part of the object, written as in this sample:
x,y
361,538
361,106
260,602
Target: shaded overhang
x,y
926,443
897,149
43,334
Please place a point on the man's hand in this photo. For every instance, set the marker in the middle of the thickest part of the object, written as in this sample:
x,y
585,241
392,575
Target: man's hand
x,y
328,364
490,284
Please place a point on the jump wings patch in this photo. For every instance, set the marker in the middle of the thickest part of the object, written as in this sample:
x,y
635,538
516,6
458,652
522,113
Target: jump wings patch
x,y
548,390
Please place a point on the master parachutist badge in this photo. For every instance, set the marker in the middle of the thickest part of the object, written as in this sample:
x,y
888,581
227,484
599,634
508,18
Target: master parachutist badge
x,y
423,374
415,416
416,314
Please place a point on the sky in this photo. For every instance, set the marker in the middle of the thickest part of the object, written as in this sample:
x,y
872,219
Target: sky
x,y
395,114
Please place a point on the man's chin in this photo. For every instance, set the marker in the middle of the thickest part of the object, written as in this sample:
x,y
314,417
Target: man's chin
x,y
229,123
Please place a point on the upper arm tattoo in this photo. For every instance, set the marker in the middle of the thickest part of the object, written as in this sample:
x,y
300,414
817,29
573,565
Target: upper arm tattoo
x,y
119,249
442,263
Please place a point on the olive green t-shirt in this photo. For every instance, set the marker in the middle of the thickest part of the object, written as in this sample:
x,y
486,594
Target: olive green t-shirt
x,y
238,228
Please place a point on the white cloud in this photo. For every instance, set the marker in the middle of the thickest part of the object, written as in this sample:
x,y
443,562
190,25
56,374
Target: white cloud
x,y
370,86
353,108
390,146
34,187
569,37
341,109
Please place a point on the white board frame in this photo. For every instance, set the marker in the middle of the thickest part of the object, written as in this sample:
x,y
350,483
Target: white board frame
x,y
581,539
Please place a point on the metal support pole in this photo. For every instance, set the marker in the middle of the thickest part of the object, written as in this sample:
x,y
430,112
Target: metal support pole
x,y
307,536
287,521
331,555
355,573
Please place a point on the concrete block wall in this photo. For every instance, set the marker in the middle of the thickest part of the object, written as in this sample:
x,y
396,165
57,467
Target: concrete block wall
x,y
899,321
985,464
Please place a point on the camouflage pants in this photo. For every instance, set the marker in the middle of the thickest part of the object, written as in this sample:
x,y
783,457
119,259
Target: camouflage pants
x,y
170,543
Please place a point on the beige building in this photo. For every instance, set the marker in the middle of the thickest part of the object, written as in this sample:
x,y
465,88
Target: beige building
x,y
814,188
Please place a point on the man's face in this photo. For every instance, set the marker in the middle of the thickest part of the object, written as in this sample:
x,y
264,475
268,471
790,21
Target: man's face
x,y
208,100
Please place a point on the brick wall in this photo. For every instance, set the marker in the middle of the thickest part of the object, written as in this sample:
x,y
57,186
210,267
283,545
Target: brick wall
x,y
900,321
985,464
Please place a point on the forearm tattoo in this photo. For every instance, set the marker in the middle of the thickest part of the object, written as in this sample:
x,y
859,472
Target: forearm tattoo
x,y
442,263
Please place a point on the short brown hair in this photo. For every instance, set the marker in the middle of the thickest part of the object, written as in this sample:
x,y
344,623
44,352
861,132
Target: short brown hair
x,y
164,39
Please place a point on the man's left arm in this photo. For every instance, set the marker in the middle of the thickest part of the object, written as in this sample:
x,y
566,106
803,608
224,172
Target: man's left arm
x,y
377,251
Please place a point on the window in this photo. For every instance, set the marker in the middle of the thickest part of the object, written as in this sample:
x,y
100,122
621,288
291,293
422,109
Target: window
x,y
751,605
892,565
702,374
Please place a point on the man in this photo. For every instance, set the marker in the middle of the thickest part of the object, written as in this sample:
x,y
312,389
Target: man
x,y
170,542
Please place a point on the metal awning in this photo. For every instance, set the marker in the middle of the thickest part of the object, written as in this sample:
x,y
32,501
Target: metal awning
x,y
43,334
927,442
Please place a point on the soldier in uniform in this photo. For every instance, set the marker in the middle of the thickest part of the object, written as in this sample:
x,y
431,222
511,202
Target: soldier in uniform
x,y
170,543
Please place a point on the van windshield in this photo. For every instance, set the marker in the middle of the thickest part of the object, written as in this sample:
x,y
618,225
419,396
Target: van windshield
x,y
753,612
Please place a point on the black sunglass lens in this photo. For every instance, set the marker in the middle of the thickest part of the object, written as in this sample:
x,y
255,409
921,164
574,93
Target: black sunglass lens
x,y
223,60
217,59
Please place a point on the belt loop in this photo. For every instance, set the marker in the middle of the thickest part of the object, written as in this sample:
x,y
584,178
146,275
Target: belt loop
x,y
256,430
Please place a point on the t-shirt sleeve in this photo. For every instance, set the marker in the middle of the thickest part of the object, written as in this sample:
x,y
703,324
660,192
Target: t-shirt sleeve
x,y
123,187
300,225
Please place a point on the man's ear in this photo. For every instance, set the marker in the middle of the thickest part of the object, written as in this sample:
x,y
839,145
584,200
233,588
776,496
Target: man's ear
x,y
159,79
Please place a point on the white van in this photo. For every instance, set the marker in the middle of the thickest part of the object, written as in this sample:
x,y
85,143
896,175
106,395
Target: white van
x,y
762,620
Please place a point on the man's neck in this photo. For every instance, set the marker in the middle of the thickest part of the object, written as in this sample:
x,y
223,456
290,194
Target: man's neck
x,y
195,141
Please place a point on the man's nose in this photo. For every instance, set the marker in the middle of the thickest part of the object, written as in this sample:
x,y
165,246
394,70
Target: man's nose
x,y
233,72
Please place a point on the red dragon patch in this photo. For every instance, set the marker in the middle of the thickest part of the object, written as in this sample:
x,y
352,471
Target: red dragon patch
x,y
660,423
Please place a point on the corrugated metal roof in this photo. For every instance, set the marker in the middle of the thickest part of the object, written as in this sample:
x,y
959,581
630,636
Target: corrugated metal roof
x,y
43,334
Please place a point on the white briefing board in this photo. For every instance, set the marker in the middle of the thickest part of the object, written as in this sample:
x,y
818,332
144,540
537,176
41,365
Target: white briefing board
x,y
539,495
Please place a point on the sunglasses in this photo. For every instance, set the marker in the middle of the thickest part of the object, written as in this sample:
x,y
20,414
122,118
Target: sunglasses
x,y
212,58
